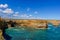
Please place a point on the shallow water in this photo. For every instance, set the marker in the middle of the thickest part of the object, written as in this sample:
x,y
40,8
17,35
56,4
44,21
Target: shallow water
x,y
51,33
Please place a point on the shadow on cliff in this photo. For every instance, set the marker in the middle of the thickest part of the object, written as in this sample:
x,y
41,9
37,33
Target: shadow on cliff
x,y
6,36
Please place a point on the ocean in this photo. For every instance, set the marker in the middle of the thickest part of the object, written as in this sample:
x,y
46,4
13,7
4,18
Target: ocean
x,y
51,33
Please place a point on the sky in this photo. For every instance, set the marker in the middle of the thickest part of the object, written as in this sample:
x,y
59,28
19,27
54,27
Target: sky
x,y
30,9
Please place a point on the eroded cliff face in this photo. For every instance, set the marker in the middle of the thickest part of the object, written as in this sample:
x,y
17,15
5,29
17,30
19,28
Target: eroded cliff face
x,y
54,22
35,23
32,23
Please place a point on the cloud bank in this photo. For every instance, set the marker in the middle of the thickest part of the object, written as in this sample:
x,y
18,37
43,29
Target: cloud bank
x,y
3,5
4,9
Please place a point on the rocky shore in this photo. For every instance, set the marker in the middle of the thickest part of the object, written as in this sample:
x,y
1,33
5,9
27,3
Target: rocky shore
x,y
6,23
1,37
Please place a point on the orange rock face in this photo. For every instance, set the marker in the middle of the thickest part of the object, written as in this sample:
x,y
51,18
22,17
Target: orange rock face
x,y
35,23
32,23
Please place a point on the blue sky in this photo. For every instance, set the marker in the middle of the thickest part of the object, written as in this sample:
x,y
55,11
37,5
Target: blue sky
x,y
30,9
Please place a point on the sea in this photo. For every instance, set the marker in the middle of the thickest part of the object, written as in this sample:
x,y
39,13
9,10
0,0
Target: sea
x,y
50,33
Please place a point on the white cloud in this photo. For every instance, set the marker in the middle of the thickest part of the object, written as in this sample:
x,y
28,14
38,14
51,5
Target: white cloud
x,y
36,12
24,16
16,14
1,10
28,9
30,15
3,5
4,9
8,11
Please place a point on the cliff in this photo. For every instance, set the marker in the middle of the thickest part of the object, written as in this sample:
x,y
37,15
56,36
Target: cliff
x,y
34,23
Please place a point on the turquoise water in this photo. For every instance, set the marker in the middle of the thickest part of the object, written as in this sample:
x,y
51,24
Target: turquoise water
x,y
51,33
